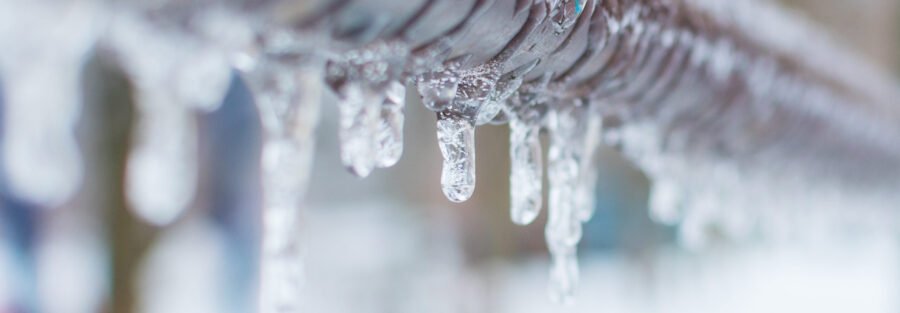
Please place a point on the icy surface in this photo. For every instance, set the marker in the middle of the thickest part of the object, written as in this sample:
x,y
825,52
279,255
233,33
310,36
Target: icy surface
x,y
564,168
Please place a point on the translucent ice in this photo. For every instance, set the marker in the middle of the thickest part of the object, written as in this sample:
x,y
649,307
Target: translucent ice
x,y
360,119
564,13
437,89
526,171
456,138
288,98
45,45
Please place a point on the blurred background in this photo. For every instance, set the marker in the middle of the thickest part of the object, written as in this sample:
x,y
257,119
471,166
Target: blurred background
x,y
393,243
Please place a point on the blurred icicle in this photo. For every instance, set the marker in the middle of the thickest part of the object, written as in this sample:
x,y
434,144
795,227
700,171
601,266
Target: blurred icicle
x,y
568,125
370,101
175,73
288,98
390,132
45,45
360,119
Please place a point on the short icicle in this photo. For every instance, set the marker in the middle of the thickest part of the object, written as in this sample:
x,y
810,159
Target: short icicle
x,y
360,118
456,137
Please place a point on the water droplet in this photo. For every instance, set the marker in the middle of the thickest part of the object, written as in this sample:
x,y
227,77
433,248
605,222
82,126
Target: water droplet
x,y
456,138
563,169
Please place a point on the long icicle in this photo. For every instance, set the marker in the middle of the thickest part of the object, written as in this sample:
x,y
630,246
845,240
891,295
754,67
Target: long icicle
x,y
288,98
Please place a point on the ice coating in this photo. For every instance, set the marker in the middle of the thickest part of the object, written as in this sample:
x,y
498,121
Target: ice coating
x,y
585,204
563,230
288,98
456,138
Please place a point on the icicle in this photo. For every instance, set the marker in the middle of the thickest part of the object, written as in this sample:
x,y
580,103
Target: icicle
x,y
390,133
526,172
456,137
365,80
563,230
586,204
288,98
360,119
456,129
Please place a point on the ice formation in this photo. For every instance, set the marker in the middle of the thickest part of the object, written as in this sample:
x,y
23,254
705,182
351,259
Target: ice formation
x,y
712,105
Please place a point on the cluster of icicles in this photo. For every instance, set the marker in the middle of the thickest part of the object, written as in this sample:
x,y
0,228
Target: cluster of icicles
x,y
370,84
181,64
